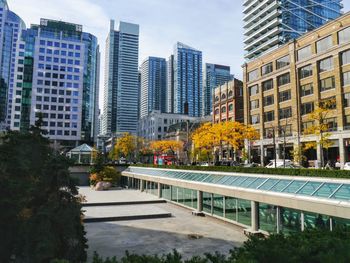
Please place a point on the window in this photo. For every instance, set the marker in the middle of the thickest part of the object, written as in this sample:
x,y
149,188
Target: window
x,y
324,44
306,90
304,53
346,99
307,108
223,109
284,95
283,79
254,90
230,107
268,132
282,62
332,124
268,100
326,64
253,75
307,125
346,78
255,119
344,35
266,69
254,104
217,111
305,72
230,93
267,85
223,96
269,116
216,99
327,84
345,57
286,129
347,122
285,113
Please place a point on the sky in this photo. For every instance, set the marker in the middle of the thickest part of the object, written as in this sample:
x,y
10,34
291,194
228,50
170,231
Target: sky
x,y
214,27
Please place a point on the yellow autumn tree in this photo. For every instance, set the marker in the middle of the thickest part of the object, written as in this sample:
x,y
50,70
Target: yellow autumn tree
x,y
166,147
203,139
125,146
320,127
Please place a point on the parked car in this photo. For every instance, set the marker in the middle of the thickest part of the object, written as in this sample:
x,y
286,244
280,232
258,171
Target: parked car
x,y
251,165
280,164
347,166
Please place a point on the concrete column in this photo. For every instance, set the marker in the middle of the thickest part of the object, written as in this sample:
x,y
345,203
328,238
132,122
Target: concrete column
x,y
341,152
141,185
159,190
278,219
199,201
278,151
262,154
318,152
255,216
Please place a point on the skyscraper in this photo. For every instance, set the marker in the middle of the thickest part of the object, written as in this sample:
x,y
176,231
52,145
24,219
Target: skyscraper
x,y
57,76
121,91
10,29
170,85
214,76
153,85
270,23
188,82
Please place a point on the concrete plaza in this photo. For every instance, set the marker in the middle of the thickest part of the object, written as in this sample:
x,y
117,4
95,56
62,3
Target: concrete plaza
x,y
155,236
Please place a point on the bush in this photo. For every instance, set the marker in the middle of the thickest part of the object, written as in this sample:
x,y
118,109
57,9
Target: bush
x,y
262,170
107,174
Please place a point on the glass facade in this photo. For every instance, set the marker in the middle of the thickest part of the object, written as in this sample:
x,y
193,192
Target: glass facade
x,y
188,80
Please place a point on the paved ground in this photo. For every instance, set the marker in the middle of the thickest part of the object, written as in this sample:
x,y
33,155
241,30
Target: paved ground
x,y
158,236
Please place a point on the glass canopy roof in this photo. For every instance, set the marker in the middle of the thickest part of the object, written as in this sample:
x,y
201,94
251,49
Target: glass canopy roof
x,y
314,188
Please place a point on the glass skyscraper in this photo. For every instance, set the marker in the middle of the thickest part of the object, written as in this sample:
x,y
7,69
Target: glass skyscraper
x,y
270,23
57,77
121,93
153,85
188,81
10,29
214,76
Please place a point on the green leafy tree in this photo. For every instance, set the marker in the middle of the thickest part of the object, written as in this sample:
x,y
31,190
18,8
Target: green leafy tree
x,y
40,215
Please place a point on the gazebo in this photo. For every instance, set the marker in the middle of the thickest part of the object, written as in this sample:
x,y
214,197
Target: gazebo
x,y
82,154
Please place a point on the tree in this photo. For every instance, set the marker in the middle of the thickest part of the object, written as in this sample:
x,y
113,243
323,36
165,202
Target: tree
x,y
166,147
40,217
125,146
203,139
320,127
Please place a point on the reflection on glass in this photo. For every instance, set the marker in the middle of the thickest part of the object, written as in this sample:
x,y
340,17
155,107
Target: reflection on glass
x,y
290,220
231,208
244,212
207,202
166,192
268,217
317,221
218,205
340,223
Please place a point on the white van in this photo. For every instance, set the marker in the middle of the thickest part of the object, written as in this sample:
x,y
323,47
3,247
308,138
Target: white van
x,y
279,164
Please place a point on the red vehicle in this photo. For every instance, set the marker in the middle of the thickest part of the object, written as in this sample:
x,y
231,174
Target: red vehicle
x,y
163,159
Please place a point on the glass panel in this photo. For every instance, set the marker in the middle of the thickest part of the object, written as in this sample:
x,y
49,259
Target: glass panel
x,y
280,186
244,212
293,187
180,195
218,205
207,202
209,179
247,182
290,220
224,179
340,223
318,221
231,180
326,190
343,193
268,184
268,217
231,208
256,183
188,198
174,193
309,188
239,181
166,192
194,198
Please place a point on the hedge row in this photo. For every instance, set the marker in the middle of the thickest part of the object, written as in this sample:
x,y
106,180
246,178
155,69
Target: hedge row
x,y
260,170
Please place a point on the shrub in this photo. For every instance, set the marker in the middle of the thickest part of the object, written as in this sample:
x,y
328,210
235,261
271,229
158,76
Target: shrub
x,y
107,174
